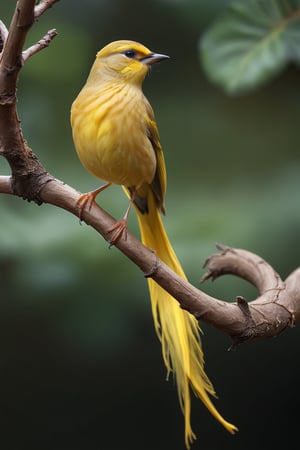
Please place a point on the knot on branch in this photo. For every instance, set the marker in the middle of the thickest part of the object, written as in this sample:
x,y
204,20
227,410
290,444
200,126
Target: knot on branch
x,y
8,99
29,185
28,175
12,69
154,266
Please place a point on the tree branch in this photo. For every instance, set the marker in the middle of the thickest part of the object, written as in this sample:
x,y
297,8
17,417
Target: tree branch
x,y
278,304
277,308
3,35
40,45
5,185
28,175
22,20
43,6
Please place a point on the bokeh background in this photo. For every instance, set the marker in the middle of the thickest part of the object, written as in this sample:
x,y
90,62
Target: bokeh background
x,y
80,365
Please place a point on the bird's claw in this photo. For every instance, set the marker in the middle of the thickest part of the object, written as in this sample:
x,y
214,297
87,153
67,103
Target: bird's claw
x,y
85,201
120,231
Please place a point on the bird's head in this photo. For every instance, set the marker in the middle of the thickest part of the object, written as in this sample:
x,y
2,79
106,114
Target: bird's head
x,y
124,60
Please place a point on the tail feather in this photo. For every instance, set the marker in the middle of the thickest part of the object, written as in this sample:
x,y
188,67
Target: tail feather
x,y
177,329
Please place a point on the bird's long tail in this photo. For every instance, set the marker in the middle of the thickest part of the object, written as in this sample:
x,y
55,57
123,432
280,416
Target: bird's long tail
x,y
177,329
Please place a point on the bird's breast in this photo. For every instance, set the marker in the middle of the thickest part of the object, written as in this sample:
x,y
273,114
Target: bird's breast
x,y
110,135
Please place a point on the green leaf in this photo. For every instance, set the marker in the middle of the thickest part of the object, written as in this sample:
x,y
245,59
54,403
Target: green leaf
x,y
252,42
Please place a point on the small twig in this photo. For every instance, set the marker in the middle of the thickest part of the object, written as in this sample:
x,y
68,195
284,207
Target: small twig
x,y
42,6
3,35
5,185
40,45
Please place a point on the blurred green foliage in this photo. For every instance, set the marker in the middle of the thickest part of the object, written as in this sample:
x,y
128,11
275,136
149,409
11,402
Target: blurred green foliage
x,y
80,363
252,42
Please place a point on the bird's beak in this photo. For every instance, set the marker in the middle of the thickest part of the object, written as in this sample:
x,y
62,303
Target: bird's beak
x,y
153,58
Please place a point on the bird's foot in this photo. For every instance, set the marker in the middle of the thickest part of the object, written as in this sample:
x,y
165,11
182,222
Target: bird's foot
x,y
119,230
86,200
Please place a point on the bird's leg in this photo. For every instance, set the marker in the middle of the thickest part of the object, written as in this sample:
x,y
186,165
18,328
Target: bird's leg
x,y
86,200
120,227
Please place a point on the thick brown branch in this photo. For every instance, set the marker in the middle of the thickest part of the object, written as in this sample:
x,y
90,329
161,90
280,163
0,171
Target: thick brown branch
x,y
12,144
27,173
22,21
277,308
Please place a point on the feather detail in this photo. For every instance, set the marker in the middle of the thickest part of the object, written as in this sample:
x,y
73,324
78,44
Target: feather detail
x,y
177,329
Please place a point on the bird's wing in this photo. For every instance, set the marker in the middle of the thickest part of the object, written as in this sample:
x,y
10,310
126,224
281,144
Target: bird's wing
x,y
159,183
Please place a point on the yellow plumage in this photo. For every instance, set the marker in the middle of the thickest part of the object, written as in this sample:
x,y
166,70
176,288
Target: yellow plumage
x,y
116,138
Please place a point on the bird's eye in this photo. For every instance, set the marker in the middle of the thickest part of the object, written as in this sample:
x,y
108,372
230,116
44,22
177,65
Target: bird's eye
x,y
130,53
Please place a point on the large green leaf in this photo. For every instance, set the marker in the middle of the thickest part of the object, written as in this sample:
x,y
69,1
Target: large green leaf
x,y
251,42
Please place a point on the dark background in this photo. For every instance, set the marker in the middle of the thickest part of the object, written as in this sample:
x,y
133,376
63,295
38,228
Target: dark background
x,y
80,364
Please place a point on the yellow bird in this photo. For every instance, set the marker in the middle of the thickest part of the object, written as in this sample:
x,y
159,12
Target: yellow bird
x,y
116,138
